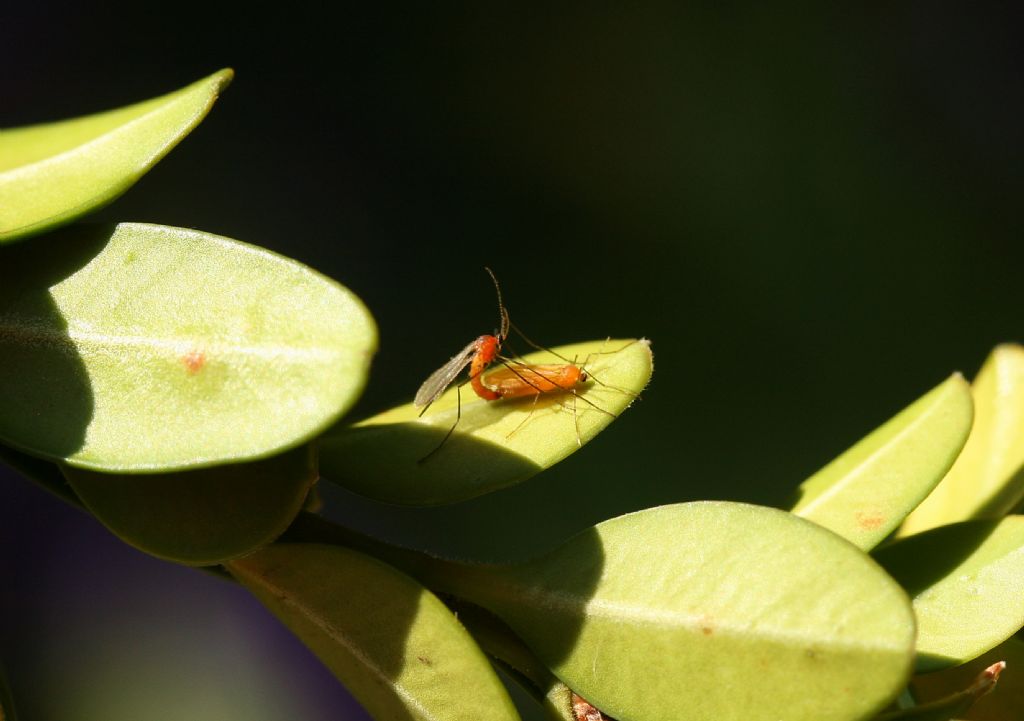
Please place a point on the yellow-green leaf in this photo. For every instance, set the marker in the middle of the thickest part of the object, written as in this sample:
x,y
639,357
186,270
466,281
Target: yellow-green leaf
x,y
987,480
496,443
706,611
397,648
53,173
146,348
867,491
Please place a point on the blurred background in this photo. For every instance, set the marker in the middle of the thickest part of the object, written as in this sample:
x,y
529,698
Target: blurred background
x,y
814,214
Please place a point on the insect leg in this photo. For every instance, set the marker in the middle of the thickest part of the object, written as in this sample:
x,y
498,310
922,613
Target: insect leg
x,y
458,417
533,407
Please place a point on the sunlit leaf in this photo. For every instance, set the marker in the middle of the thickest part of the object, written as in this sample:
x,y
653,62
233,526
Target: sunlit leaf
x,y
1004,703
867,491
53,173
153,349
390,641
496,443
706,611
965,580
205,516
987,480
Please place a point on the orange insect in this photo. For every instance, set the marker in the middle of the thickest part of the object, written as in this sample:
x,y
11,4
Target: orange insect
x,y
523,380
520,380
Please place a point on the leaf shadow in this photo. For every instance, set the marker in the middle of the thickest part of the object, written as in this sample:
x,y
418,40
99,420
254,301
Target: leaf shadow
x,y
555,591
203,516
931,662
419,470
45,391
922,560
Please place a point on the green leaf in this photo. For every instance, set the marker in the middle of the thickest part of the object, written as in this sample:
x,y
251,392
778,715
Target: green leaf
x,y
154,349
717,610
205,516
865,493
987,481
965,580
390,641
53,173
1005,703
496,444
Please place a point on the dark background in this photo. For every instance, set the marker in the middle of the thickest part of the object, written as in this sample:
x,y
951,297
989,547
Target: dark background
x,y
814,213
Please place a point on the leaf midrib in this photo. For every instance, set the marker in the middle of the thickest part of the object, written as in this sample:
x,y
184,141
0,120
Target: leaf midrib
x,y
94,342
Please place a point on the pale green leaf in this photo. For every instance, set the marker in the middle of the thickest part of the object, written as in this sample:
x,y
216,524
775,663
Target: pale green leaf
x,y
153,349
496,443
53,173
987,480
397,648
706,611
966,582
1004,703
865,493
205,516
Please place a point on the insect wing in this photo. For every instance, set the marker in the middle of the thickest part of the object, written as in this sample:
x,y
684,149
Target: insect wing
x,y
440,379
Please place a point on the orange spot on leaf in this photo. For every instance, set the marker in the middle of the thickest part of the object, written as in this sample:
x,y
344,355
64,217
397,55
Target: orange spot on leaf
x,y
194,361
870,521
707,624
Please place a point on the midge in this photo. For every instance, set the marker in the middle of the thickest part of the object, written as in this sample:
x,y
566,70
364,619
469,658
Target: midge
x,y
515,380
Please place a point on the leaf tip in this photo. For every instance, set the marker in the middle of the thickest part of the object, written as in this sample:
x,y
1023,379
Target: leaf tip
x,y
1008,348
222,78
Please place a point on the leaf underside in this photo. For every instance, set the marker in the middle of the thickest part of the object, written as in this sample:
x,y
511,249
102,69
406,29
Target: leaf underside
x,y
200,517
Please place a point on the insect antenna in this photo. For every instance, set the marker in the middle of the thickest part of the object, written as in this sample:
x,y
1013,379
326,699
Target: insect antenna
x,y
502,332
